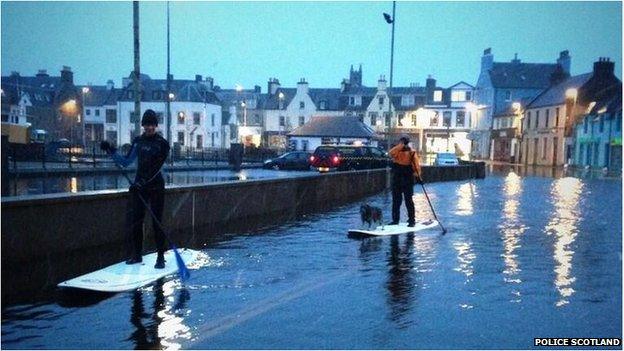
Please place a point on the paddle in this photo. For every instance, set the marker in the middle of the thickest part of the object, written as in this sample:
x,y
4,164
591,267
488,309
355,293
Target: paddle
x,y
430,205
183,272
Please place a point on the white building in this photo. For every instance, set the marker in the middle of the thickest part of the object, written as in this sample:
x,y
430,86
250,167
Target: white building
x,y
332,130
196,116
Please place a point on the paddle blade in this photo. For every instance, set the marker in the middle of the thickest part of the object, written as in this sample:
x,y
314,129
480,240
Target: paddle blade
x,y
182,270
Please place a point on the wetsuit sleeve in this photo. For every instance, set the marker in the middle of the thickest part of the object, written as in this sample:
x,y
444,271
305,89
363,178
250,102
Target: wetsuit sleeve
x,y
124,161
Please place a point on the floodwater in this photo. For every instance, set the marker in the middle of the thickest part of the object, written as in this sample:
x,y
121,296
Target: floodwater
x,y
67,184
524,257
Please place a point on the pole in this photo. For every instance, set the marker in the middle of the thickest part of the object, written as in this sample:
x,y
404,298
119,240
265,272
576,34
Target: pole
x,y
168,122
137,69
84,140
391,65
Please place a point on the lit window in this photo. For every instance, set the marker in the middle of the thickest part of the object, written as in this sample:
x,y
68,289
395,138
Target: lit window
x,y
437,95
458,96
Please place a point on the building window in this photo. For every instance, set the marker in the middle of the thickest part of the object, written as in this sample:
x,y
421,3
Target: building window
x,y
282,121
352,100
585,125
361,117
547,117
388,119
88,112
180,117
468,95
414,120
537,113
323,105
507,95
200,141
528,126
446,118
212,119
301,120
433,122
458,95
301,104
460,118
557,117
407,100
373,118
130,94
618,122
196,118
381,102
437,95
545,145
97,112
601,124
111,116
401,119
181,138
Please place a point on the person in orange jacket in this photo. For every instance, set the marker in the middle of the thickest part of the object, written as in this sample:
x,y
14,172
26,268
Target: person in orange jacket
x,y
405,169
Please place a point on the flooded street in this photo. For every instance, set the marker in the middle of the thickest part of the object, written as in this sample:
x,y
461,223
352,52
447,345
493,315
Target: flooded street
x,y
524,257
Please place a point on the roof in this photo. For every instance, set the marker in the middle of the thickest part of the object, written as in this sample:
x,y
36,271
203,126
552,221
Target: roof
x,y
183,89
340,126
521,75
100,95
510,111
272,100
609,104
555,95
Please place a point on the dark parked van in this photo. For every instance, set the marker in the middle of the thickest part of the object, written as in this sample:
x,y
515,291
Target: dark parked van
x,y
347,158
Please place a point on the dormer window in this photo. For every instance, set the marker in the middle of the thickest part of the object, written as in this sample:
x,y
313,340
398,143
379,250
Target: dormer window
x,y
301,104
381,100
460,95
407,100
508,95
323,105
437,95
130,94
158,95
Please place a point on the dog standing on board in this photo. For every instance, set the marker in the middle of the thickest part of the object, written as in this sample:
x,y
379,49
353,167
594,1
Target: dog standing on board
x,y
371,215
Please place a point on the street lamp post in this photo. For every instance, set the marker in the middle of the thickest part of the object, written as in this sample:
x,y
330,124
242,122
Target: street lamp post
x,y
391,20
85,91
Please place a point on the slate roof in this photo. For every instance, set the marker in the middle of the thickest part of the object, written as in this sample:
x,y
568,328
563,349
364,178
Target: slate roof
x,y
100,95
521,75
331,96
341,126
609,104
183,89
555,95
272,101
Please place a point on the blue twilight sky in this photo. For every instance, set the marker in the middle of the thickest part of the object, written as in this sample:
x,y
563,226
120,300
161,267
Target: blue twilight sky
x,y
248,42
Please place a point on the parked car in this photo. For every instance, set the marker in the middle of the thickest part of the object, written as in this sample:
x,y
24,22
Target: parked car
x,y
346,158
446,159
289,160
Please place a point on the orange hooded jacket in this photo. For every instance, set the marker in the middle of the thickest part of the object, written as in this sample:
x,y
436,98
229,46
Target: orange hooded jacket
x,y
406,158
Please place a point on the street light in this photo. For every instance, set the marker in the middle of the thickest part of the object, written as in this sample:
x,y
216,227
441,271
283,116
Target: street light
x,y
244,106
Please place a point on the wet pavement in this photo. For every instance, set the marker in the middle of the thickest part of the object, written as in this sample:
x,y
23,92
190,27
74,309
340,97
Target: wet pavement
x,y
524,257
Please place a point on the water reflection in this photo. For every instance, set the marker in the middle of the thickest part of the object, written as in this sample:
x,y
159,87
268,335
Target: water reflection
x,y
400,280
465,197
166,324
511,230
563,224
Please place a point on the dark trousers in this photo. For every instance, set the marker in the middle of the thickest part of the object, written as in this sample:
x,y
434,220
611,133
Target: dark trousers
x,y
154,196
403,188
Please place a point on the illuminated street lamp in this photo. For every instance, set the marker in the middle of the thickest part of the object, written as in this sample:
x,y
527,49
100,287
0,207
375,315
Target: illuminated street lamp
x,y
70,109
244,106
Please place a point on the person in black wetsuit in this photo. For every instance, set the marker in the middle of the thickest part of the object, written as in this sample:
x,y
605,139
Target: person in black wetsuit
x,y
151,149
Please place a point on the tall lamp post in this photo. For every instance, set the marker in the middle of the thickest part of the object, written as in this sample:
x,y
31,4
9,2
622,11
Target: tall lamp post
x,y
391,20
85,91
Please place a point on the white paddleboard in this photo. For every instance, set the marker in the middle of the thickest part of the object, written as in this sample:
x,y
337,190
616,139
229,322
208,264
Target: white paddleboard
x,y
400,228
124,277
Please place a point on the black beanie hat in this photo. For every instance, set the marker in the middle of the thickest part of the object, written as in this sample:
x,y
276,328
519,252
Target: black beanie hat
x,y
149,118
